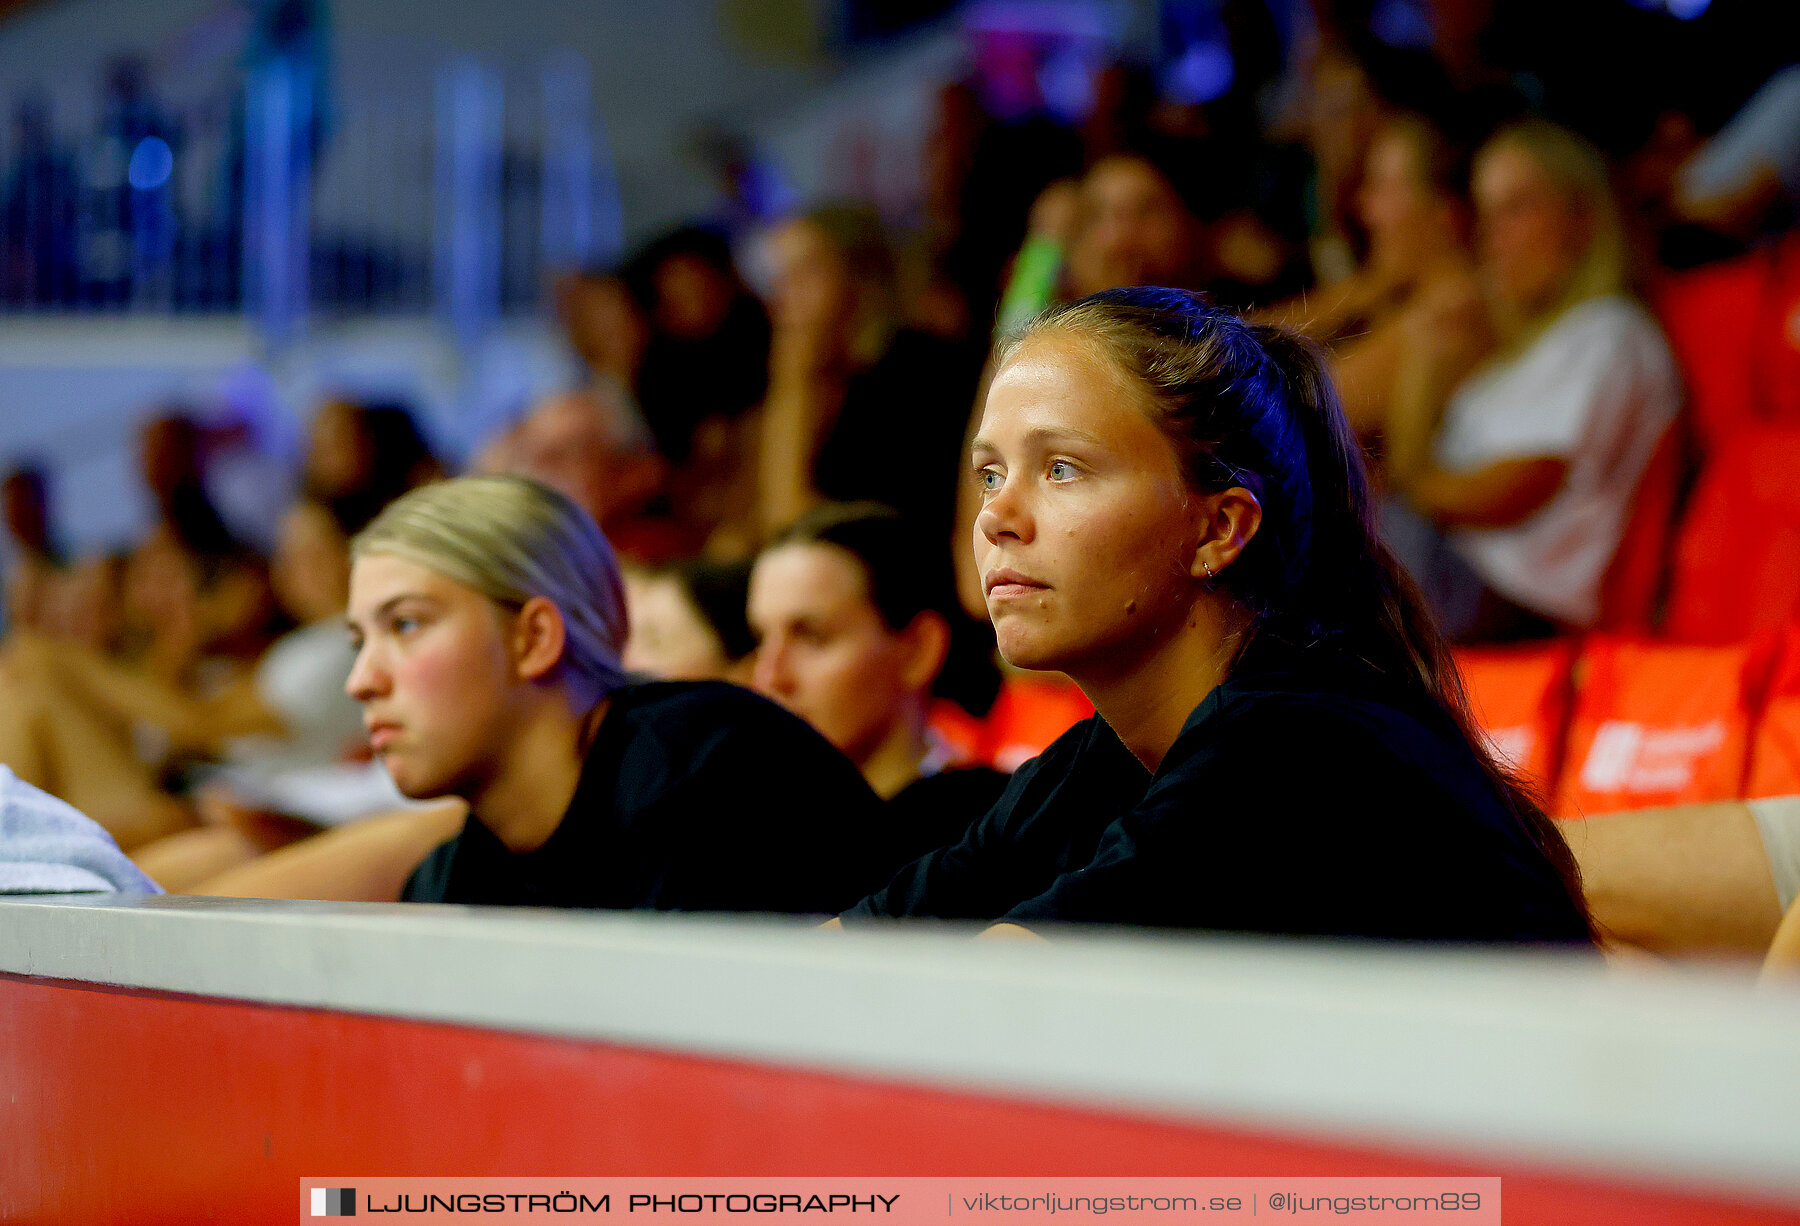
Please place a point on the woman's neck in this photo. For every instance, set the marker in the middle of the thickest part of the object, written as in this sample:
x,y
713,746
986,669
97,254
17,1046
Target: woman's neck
x,y
1147,703
897,759
525,801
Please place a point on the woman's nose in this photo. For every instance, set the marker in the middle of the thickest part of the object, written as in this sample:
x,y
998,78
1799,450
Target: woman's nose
x,y
366,678
1003,515
771,677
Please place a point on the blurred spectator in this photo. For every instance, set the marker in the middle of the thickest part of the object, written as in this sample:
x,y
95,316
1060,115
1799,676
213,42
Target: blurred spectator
x,y
1139,222
1035,278
35,560
847,383
359,458
90,745
87,603
1341,119
1541,445
854,631
1132,227
187,520
592,446
604,325
1355,83
1746,179
688,624
707,357
289,713
169,460
293,754
704,370
1414,206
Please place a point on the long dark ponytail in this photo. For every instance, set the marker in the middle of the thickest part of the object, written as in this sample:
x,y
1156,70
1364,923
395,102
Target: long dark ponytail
x,y
1252,405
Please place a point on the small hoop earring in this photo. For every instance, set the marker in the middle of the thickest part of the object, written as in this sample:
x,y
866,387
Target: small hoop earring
x,y
1209,569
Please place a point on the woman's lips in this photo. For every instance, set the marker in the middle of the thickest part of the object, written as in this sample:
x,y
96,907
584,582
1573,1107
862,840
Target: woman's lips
x,y
1010,584
382,735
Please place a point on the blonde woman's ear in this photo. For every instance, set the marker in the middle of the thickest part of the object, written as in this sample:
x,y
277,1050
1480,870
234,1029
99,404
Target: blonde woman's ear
x,y
539,638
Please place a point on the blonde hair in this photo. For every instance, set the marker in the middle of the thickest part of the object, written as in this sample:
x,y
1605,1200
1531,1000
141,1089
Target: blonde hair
x,y
512,538
1579,172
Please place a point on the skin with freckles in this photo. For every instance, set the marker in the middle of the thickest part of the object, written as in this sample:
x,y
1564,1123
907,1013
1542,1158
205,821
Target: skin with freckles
x,y
1093,547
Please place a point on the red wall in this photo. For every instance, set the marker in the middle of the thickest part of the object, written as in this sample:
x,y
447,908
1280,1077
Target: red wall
x,y
147,1107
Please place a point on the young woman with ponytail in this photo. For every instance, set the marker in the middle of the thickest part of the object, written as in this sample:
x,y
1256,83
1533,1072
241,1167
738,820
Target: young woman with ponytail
x,y
486,615
1175,514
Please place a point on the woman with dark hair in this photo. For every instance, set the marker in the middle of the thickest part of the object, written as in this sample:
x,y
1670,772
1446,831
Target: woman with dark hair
x,y
1175,514
362,457
687,622
856,633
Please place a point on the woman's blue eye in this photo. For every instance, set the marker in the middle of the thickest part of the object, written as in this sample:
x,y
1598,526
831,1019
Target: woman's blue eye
x,y
988,479
1062,470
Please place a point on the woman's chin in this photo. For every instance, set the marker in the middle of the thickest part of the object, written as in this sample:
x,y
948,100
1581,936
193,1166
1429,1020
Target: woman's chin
x,y
1023,652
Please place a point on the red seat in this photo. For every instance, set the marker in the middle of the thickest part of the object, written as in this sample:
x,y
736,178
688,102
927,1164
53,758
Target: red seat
x,y
1736,561
1659,724
1632,589
1775,745
962,734
1031,712
1734,328
1520,698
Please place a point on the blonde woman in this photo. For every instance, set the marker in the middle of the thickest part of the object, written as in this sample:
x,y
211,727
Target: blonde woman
x,y
487,616
1520,427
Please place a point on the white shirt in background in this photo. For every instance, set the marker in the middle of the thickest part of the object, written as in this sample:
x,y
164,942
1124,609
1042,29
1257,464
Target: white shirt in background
x,y
1597,389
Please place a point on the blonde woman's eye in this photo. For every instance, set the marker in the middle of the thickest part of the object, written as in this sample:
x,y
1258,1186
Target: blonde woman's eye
x,y
989,480
1062,470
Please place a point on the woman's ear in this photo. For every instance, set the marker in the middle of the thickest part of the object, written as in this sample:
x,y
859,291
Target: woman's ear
x,y
1229,520
927,645
539,637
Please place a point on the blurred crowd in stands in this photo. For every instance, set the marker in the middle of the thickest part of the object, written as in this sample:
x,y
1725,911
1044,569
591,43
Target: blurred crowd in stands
x,y
143,205
1554,267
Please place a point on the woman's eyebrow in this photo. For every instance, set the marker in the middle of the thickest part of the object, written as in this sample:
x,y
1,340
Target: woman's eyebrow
x,y
387,606
1046,434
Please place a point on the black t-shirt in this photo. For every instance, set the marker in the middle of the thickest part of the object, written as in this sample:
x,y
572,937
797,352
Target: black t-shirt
x,y
696,796
937,810
1301,797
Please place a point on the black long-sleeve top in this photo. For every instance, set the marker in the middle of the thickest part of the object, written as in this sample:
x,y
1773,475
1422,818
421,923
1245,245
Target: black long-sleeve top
x,y
1304,795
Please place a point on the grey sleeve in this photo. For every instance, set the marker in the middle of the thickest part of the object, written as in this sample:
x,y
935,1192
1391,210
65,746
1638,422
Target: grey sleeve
x,y
1778,821
47,847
